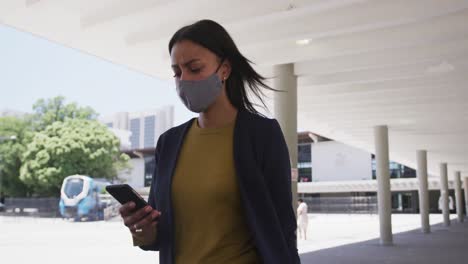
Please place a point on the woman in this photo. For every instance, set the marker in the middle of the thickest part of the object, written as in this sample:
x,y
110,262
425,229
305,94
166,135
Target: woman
x,y
302,219
221,190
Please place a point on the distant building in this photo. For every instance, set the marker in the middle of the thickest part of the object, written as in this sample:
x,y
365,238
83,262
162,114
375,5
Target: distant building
x,y
323,160
138,133
145,127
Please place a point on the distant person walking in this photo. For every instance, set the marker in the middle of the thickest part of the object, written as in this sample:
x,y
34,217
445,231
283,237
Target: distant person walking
x,y
450,203
302,219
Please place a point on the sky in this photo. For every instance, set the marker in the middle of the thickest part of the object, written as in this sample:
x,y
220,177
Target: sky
x,y
32,68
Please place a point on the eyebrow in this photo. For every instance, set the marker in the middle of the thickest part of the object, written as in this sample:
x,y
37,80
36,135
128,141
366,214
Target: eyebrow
x,y
185,64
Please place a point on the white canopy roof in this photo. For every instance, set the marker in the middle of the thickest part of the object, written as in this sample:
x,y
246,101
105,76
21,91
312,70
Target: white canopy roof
x,y
359,63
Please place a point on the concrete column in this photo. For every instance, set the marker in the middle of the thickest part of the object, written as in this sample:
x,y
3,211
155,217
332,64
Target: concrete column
x,y
383,183
465,186
458,196
421,156
285,105
444,193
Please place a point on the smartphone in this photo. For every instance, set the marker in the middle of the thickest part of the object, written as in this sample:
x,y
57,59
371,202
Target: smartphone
x,y
124,194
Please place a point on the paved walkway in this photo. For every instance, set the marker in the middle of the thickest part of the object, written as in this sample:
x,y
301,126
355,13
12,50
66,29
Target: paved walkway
x,y
332,238
442,245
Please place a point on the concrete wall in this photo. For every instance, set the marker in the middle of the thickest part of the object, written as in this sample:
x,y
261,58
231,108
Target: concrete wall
x,y
334,161
134,176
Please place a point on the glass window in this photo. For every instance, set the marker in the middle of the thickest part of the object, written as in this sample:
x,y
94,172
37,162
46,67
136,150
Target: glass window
x,y
394,174
394,165
150,122
408,172
304,153
135,129
305,174
73,187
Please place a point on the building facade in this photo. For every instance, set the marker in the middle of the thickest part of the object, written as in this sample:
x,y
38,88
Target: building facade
x,y
324,160
138,133
145,127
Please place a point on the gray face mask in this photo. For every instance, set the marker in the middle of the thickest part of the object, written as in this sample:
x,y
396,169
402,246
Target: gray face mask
x,y
197,96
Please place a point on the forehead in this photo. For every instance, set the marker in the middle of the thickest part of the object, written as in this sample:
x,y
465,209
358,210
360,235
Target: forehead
x,y
186,50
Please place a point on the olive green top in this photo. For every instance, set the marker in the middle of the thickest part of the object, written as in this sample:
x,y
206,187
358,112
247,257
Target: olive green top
x,y
209,219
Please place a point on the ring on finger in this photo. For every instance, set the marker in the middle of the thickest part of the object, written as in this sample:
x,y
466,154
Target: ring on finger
x,y
137,230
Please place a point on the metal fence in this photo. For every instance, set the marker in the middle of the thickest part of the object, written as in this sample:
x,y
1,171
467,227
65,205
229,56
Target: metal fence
x,y
342,204
41,207
48,207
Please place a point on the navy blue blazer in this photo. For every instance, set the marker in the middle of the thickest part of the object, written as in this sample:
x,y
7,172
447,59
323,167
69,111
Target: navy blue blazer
x,y
262,166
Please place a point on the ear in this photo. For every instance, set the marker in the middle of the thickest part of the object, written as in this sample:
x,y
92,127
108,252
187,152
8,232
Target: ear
x,y
225,70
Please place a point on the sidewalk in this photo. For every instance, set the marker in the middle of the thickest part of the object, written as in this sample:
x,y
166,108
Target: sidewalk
x,y
333,238
442,245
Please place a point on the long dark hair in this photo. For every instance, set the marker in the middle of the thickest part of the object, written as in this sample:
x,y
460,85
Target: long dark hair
x,y
215,38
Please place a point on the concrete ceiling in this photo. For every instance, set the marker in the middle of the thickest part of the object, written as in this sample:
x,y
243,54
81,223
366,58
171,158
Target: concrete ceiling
x,y
382,62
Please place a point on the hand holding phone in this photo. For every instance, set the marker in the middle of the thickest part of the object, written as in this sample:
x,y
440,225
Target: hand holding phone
x,y
138,216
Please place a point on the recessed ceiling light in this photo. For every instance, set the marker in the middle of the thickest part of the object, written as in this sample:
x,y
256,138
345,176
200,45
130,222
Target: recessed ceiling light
x,y
303,42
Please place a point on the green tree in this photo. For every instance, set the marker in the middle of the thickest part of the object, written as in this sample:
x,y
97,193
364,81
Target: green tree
x,y
11,152
75,146
48,111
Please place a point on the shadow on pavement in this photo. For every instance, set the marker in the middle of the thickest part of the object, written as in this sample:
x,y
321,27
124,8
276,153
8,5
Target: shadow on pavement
x,y
442,245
